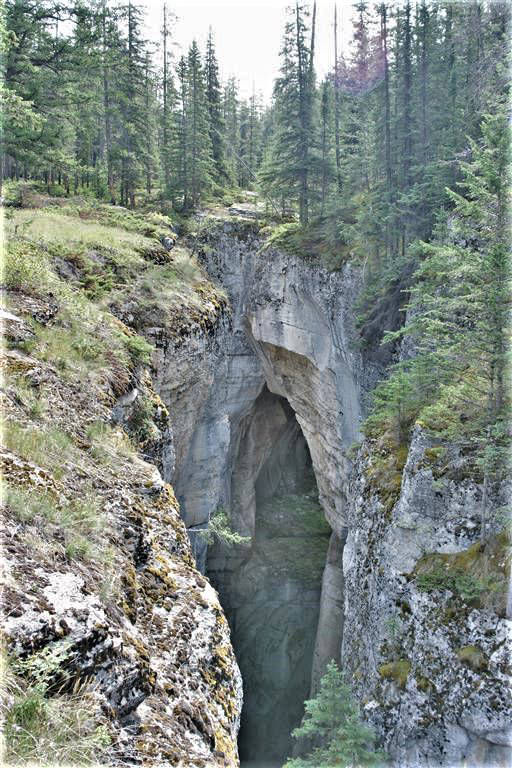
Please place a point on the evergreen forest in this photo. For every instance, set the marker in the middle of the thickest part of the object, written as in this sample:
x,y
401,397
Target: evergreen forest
x,y
295,312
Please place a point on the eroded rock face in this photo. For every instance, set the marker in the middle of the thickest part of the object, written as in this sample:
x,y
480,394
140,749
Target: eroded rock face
x,y
141,631
428,652
291,333
428,666
284,361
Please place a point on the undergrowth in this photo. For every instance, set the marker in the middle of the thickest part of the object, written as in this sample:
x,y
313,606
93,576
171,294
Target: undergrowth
x,y
41,725
79,521
307,243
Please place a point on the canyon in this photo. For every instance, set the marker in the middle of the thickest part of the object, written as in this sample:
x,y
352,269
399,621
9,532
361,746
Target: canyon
x,y
266,413
256,392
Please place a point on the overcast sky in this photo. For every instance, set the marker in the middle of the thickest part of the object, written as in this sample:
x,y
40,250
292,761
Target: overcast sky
x,y
248,35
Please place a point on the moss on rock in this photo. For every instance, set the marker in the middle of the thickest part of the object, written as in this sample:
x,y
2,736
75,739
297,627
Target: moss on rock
x,y
478,574
397,671
473,657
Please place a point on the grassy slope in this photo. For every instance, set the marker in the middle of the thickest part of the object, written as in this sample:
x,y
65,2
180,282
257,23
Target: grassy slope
x,y
72,479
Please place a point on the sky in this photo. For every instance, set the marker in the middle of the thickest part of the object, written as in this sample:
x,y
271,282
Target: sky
x,y
248,35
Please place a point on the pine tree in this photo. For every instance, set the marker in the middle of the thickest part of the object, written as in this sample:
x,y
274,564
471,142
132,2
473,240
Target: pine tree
x,y
232,128
332,718
130,83
168,99
325,143
178,147
37,71
150,101
460,302
201,160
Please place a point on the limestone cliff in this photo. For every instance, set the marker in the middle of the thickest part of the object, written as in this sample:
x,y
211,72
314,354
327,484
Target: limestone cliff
x,y
428,664
427,630
249,400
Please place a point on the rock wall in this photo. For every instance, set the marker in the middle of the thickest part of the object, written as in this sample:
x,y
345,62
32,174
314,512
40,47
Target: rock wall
x,y
426,637
140,631
290,331
428,662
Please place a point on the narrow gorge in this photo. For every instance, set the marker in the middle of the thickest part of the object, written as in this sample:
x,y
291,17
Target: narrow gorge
x,y
255,385
269,407
247,407
266,411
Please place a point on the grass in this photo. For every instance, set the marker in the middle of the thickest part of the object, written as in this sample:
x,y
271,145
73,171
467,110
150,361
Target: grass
x,y
83,337
31,398
27,268
80,520
47,447
108,268
477,575
45,729
57,228
147,224
172,282
170,295
100,256
72,346
139,349
108,444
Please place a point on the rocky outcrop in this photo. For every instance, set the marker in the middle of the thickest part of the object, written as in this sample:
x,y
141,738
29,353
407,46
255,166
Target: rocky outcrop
x,y
289,339
426,637
98,575
261,388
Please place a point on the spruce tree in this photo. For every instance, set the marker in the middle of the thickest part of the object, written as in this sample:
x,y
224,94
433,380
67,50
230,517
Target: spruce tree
x,y
232,128
201,158
217,126
179,140
168,99
292,158
455,384
332,719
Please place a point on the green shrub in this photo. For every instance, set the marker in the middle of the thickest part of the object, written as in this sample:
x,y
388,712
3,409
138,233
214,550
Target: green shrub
x,y
141,423
397,671
26,269
477,575
139,349
219,529
467,586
